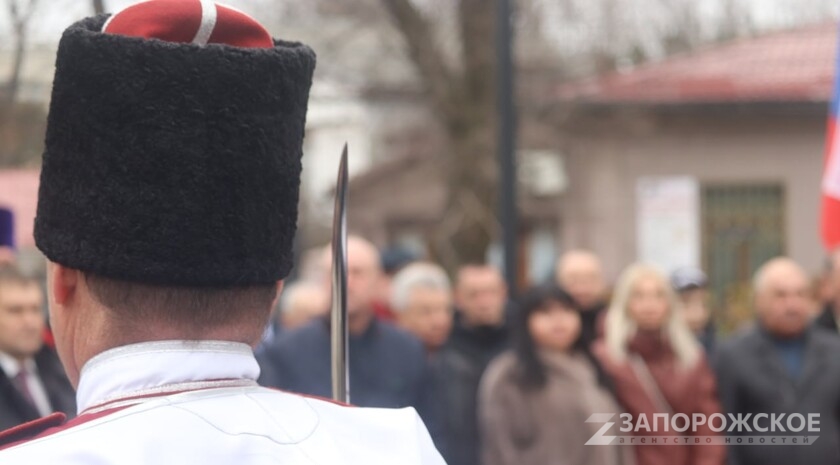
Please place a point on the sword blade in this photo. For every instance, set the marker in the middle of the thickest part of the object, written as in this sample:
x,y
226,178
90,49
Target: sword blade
x,y
340,377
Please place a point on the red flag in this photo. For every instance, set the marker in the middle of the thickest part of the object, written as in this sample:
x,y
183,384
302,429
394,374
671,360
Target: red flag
x,y
831,173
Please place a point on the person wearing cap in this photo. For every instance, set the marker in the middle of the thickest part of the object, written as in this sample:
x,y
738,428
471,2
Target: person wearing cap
x,y
393,260
167,209
692,287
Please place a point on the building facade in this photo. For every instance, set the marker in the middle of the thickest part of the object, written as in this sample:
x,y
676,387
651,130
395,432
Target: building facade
x,y
712,159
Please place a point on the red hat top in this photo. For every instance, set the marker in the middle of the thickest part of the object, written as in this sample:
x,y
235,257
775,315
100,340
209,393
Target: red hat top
x,y
198,22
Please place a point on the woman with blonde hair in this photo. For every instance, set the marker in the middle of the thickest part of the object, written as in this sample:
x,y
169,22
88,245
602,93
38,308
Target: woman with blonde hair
x,y
657,367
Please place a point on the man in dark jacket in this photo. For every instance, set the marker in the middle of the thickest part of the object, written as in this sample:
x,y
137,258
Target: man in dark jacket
x,y
783,365
479,334
388,366
32,381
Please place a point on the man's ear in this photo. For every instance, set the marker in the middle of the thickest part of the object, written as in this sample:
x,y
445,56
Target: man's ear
x,y
65,282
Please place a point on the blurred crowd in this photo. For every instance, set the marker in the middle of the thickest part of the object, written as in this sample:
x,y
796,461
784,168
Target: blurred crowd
x,y
514,382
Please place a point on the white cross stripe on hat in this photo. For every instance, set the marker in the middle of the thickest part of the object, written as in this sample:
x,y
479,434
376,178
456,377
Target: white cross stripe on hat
x,y
208,22
196,22
205,30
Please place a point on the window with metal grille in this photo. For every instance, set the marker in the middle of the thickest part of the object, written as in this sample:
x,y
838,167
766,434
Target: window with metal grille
x,y
743,226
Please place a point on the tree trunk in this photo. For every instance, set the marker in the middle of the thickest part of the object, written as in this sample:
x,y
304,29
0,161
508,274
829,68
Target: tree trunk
x,y
473,173
13,82
468,222
465,102
20,20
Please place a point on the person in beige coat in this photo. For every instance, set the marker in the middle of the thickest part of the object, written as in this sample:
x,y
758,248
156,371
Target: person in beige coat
x,y
535,399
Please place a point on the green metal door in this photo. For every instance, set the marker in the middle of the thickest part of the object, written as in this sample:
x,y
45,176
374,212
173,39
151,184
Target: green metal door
x,y
743,226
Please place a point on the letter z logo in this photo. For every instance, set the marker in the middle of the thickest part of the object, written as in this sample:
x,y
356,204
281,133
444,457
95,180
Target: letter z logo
x,y
598,439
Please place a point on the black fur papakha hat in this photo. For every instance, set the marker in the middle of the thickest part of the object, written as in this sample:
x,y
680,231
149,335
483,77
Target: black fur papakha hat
x,y
173,147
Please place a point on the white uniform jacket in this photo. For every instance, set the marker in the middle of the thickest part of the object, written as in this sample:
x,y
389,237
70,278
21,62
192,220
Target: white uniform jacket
x,y
197,402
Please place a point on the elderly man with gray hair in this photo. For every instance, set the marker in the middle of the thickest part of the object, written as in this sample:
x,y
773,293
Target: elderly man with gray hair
x,y
421,297
782,368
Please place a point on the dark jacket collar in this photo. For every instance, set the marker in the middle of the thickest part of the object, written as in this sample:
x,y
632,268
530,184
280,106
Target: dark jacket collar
x,y
368,334
814,355
486,336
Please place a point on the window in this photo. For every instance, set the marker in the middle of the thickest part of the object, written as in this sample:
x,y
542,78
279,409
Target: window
x,y
743,226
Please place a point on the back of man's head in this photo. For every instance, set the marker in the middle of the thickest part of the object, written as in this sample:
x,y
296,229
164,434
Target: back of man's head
x,y
195,312
171,218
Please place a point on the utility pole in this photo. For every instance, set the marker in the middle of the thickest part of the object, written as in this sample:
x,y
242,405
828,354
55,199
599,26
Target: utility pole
x,y
507,143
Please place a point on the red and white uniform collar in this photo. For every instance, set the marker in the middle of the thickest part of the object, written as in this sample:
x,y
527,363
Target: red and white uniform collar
x,y
130,373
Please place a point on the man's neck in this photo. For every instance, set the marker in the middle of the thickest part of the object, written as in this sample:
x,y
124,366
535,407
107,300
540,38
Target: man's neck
x,y
592,307
359,322
474,324
786,338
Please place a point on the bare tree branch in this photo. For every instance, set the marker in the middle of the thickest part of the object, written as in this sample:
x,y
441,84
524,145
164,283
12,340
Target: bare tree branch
x,y
465,100
430,63
20,16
